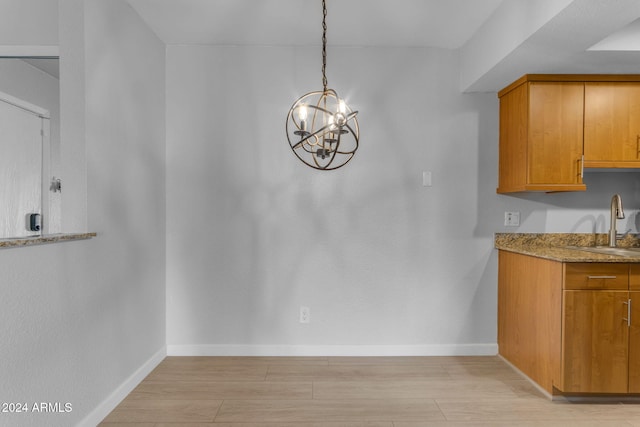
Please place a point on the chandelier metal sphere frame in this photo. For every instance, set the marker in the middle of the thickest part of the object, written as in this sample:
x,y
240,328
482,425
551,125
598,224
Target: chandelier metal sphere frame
x,y
322,130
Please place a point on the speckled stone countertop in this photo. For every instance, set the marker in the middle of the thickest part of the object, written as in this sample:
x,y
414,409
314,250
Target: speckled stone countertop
x,y
555,246
40,240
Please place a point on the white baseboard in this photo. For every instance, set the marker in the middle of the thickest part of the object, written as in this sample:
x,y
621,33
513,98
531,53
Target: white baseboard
x,y
333,350
103,409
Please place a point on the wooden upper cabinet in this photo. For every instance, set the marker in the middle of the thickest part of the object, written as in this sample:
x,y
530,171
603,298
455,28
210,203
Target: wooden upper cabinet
x,y
552,126
555,133
541,137
612,124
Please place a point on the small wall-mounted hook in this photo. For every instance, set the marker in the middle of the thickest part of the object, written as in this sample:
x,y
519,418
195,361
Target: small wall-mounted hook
x,y
56,185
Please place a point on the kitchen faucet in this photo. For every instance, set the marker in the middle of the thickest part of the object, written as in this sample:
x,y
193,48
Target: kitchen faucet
x,y
616,213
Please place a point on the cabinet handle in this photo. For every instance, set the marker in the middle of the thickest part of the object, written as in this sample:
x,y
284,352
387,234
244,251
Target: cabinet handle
x,y
581,166
602,277
628,318
637,146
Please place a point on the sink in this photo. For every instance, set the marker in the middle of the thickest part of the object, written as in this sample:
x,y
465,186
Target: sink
x,y
606,250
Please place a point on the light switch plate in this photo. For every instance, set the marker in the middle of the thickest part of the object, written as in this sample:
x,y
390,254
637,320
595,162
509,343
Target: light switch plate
x,y
305,314
426,179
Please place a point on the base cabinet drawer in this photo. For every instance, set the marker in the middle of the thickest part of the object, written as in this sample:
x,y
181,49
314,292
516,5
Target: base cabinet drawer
x,y
589,275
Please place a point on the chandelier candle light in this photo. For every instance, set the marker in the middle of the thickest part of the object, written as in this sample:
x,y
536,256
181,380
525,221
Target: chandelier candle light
x,y
322,130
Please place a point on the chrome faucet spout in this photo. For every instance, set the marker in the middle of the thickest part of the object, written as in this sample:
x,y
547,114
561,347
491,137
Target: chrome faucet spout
x,y
617,212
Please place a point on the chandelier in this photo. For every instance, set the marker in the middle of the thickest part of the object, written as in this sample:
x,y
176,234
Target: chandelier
x,y
322,130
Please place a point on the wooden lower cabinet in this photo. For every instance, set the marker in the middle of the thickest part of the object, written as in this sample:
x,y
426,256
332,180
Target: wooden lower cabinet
x,y
565,325
530,315
634,343
595,344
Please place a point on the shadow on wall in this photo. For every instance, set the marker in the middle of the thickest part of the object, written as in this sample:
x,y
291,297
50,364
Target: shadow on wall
x,y
600,187
488,120
580,211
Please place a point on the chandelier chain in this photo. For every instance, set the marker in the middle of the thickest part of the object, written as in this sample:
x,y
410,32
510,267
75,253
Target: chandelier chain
x,y
321,129
324,45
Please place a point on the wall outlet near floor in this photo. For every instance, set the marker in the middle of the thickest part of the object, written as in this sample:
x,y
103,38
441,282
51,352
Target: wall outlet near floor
x,y
511,219
305,315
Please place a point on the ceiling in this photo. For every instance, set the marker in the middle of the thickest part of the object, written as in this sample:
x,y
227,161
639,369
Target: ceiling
x,y
438,23
625,39
499,40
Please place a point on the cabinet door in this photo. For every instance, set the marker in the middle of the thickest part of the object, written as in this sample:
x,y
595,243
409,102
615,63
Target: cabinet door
x,y
595,342
555,132
634,277
611,122
512,164
634,343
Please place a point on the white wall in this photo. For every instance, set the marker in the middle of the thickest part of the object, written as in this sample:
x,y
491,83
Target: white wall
x,y
580,212
73,157
511,24
253,234
250,233
30,84
386,266
29,22
81,318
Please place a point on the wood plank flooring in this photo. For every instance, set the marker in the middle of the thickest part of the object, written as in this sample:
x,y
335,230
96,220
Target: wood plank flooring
x,y
351,392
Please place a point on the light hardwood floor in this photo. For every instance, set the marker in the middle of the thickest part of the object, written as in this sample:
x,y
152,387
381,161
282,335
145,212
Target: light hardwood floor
x,y
351,392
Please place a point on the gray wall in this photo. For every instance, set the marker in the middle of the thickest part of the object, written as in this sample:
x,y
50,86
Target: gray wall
x,y
386,265
80,318
250,234
30,84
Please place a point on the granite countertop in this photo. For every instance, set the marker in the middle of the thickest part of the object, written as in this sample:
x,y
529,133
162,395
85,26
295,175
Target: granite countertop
x,y
554,246
44,239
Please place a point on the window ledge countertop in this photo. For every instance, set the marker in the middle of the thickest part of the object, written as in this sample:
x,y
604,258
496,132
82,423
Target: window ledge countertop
x,y
44,239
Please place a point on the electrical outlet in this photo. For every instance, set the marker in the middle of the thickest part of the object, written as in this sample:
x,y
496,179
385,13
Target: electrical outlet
x,y
511,219
305,315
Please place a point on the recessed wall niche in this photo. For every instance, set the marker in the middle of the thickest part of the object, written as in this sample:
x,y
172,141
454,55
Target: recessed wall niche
x,y
29,146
